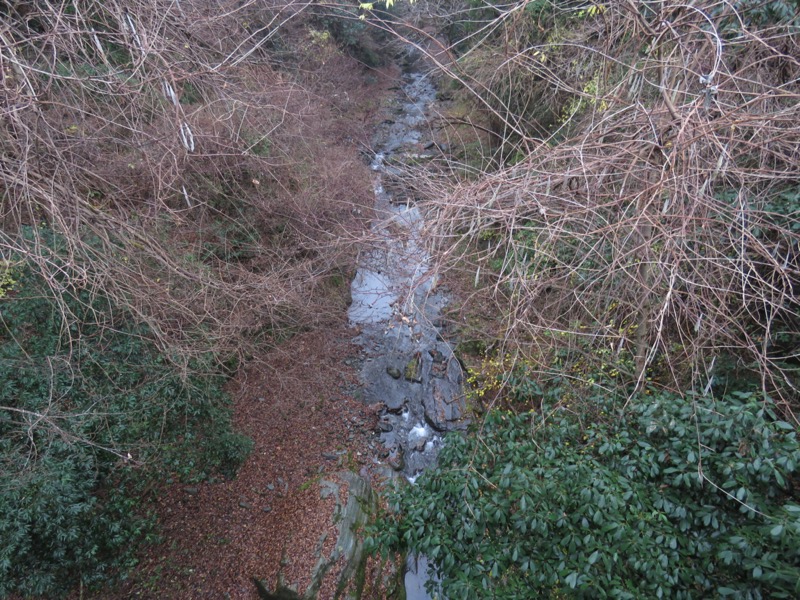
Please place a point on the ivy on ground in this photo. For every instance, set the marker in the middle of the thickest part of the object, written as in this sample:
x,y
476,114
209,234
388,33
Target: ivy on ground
x,y
677,496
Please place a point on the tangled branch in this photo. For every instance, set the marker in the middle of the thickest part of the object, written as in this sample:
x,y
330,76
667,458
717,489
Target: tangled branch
x,y
645,203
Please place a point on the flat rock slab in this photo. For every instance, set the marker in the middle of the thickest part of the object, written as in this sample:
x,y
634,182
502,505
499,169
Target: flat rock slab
x,y
350,516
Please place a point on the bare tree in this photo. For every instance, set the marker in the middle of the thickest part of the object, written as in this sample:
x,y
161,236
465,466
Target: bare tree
x,y
131,131
643,209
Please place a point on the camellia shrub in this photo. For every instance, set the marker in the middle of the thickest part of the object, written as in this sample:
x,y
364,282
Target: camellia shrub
x,y
685,497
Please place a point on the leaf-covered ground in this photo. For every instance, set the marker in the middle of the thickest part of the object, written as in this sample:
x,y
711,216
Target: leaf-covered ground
x,y
297,404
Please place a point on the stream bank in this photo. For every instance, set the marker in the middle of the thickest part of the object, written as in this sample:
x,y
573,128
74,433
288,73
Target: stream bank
x,y
409,380
312,407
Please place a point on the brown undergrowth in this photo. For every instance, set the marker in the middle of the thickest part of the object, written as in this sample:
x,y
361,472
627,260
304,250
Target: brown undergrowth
x,y
200,165
187,169
296,400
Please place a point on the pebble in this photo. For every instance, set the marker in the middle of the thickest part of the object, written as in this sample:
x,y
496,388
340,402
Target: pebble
x,y
192,491
266,509
244,504
394,372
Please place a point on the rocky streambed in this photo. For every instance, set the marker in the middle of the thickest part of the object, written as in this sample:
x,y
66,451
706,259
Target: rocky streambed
x,y
409,369
408,372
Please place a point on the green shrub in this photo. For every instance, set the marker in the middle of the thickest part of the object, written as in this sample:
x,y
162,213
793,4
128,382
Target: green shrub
x,y
90,412
56,528
684,497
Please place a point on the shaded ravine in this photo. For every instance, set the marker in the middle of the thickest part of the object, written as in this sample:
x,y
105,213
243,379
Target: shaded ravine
x,y
409,369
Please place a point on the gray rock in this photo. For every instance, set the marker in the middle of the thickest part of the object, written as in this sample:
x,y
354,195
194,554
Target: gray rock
x,y
396,405
192,491
350,518
394,372
443,410
328,489
394,402
436,355
244,504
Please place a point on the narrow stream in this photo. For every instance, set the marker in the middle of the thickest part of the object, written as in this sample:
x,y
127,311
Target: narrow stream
x,y
408,366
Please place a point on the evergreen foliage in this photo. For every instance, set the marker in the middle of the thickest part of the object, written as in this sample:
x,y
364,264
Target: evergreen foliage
x,y
679,497
90,411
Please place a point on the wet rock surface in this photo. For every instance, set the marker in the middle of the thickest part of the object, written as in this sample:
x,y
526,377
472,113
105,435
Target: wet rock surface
x,y
408,366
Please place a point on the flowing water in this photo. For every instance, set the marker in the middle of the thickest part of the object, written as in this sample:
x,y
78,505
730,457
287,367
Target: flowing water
x,y
409,367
